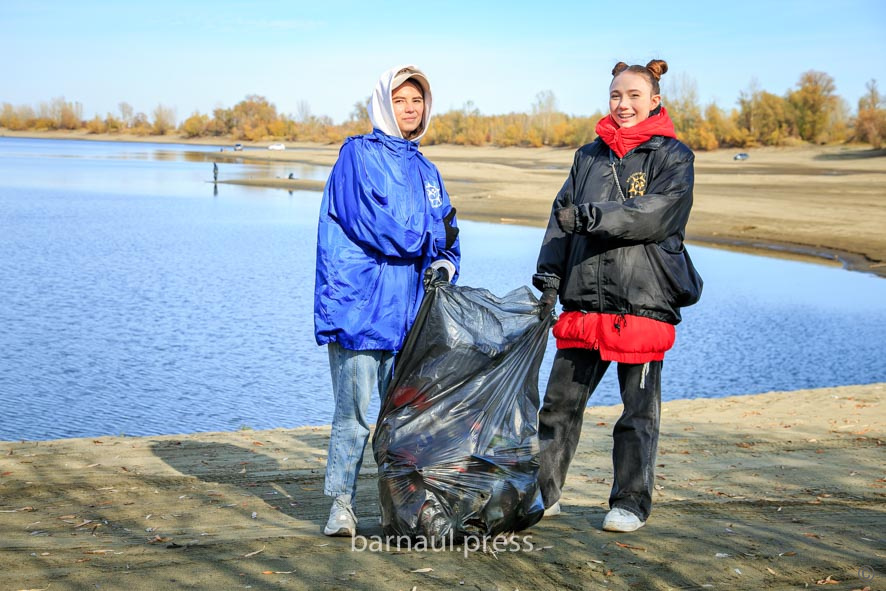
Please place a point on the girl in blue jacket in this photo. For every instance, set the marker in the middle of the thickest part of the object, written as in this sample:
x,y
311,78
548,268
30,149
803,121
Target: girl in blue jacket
x,y
386,229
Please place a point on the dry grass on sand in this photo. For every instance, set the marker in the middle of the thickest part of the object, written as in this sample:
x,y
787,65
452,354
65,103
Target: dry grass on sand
x,y
775,491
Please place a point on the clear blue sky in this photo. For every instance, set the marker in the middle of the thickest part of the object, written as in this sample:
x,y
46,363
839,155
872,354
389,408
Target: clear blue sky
x,y
328,54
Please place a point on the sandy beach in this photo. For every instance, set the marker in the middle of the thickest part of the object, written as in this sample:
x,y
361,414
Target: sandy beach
x,y
827,203
822,203
774,491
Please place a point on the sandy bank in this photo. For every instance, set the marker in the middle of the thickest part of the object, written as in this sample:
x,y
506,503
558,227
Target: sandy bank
x,y
809,202
817,202
776,491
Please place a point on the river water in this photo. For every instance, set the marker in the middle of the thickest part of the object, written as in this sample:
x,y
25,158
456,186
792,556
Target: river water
x,y
135,299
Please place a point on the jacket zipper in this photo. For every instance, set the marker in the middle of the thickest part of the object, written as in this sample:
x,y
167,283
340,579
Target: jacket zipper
x,y
413,298
599,269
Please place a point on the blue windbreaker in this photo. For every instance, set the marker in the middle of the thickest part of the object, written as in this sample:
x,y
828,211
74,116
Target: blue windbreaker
x,y
381,225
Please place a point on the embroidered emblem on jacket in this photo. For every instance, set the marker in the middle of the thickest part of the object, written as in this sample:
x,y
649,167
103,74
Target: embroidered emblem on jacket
x,y
637,184
433,193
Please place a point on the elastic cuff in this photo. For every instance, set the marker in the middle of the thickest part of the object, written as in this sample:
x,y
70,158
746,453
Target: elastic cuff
x,y
543,281
583,218
574,344
446,265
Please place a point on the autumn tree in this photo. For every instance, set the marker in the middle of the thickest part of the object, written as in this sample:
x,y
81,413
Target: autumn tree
x,y
60,114
252,116
470,129
96,125
440,130
810,112
813,104
580,130
126,112
765,117
222,122
303,112
725,127
360,112
195,125
70,115
544,117
748,101
279,127
685,112
510,130
839,122
16,118
164,120
464,127
870,122
310,127
113,124
140,125
358,120
305,124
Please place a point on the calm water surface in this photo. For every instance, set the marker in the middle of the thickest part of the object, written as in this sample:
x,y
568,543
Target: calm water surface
x,y
135,300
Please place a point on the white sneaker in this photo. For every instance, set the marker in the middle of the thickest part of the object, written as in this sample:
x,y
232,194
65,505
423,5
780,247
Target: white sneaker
x,y
553,510
342,521
621,520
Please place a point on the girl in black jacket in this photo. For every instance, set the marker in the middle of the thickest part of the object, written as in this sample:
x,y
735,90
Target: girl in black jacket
x,y
614,253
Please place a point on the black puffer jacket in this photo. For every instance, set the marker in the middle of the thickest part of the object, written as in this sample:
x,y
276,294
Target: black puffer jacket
x,y
627,254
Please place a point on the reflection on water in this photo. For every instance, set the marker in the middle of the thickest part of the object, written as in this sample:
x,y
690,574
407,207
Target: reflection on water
x,y
137,297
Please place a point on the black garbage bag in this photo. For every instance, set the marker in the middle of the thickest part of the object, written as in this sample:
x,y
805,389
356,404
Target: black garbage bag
x,y
456,440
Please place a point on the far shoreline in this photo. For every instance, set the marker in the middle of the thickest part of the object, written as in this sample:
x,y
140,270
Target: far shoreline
x,y
516,185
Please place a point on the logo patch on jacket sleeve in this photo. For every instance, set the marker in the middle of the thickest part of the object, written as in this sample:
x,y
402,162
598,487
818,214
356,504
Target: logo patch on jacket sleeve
x,y
433,193
637,184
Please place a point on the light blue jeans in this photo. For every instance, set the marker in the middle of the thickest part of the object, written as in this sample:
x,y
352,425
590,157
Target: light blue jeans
x,y
355,374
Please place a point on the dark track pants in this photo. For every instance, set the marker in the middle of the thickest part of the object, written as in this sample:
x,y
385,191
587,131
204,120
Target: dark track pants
x,y
575,375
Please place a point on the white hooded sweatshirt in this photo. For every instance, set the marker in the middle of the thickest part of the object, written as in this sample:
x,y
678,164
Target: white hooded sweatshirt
x,y
381,108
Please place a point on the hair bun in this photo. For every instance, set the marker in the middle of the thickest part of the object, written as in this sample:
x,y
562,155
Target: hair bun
x,y
658,68
619,68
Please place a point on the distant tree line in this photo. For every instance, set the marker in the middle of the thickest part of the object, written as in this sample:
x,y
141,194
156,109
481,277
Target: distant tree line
x,y
809,113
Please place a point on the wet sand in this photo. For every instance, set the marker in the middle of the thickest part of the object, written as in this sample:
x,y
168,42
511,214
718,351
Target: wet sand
x,y
773,491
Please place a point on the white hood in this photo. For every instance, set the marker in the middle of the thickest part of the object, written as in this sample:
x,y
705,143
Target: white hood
x,y
381,109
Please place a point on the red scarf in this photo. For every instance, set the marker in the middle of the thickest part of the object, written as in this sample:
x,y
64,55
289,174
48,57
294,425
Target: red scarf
x,y
624,139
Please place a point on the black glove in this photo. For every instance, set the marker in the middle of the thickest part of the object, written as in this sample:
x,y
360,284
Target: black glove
x,y
567,218
451,231
546,303
434,276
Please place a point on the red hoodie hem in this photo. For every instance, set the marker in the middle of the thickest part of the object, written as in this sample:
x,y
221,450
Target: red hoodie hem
x,y
621,338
